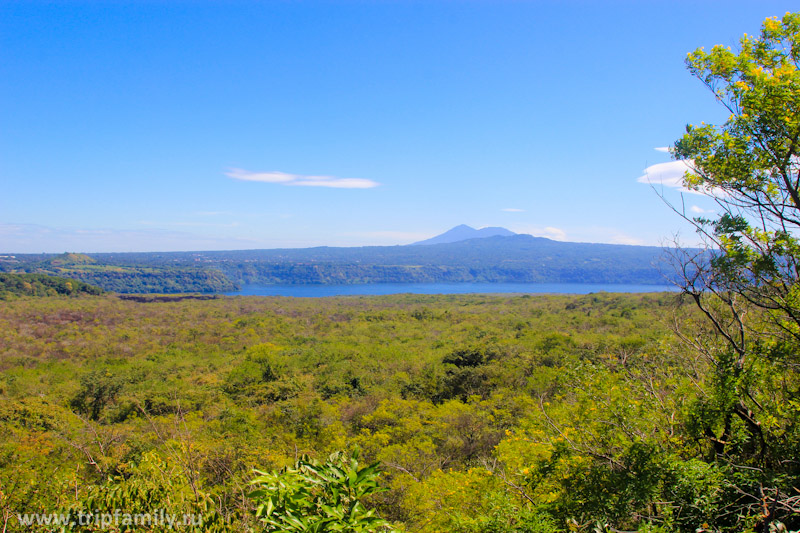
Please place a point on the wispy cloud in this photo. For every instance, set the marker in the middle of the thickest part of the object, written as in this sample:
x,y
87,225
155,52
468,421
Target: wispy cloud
x,y
556,234
550,232
512,210
667,174
188,224
32,238
605,235
299,180
581,234
621,238
672,174
387,237
700,210
202,224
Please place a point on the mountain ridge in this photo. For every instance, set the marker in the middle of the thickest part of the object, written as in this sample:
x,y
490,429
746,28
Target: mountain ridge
x,y
462,232
519,258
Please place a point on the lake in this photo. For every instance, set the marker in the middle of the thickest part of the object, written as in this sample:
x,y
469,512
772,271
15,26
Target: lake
x,y
374,289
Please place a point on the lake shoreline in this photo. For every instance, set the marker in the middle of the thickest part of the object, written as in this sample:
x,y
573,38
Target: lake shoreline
x,y
383,289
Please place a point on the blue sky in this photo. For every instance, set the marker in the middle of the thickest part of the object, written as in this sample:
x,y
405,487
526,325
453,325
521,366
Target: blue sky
x,y
145,126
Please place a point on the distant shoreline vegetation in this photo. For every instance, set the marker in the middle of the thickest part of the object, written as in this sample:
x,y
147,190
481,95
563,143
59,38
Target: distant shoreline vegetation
x,y
13,285
498,259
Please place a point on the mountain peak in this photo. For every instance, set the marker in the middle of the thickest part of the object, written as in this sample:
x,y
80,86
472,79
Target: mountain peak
x,y
462,232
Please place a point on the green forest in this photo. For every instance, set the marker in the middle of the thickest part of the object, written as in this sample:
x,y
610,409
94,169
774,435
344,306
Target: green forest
x,y
130,277
12,285
660,412
484,413
491,399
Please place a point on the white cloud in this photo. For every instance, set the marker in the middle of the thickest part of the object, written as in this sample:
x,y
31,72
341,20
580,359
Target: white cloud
x,y
189,224
668,174
266,177
664,149
201,224
512,210
581,234
386,237
700,210
32,238
621,238
671,175
602,234
605,235
299,180
550,232
557,234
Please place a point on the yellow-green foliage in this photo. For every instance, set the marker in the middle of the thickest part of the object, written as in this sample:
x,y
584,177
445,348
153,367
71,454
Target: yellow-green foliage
x,y
486,413
468,398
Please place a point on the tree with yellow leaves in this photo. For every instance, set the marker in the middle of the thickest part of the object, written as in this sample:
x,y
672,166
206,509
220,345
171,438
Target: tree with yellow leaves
x,y
746,281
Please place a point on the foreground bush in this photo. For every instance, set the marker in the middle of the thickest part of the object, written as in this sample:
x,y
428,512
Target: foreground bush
x,y
315,497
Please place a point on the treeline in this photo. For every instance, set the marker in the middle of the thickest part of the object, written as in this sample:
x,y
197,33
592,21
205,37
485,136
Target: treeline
x,y
337,273
129,278
12,285
155,280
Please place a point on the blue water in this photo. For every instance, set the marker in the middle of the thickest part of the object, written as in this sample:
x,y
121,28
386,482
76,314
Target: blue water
x,y
371,289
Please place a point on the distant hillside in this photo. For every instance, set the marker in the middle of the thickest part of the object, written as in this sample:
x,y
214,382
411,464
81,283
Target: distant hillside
x,y
127,276
463,233
70,259
42,285
515,258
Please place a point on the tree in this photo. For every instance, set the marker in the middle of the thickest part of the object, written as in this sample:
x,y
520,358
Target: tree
x,y
746,281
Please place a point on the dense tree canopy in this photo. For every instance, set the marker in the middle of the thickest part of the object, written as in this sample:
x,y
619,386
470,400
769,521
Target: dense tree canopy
x,y
13,285
746,281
